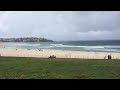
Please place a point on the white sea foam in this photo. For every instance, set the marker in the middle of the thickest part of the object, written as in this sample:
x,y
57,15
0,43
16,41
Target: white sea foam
x,y
26,44
102,47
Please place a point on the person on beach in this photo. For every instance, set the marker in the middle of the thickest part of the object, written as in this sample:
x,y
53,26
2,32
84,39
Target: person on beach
x,y
40,49
109,56
105,57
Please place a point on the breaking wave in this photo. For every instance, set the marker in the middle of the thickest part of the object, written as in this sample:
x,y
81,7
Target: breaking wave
x,y
102,47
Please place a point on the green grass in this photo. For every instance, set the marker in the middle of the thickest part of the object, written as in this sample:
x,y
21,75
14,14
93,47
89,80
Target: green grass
x,y
38,68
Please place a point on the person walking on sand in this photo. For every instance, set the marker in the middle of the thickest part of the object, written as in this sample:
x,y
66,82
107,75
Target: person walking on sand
x,y
109,56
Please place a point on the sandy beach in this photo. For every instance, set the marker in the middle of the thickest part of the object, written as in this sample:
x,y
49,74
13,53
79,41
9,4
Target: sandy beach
x,y
45,53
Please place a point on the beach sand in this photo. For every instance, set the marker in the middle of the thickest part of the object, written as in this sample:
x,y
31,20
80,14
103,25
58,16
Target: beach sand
x,y
45,53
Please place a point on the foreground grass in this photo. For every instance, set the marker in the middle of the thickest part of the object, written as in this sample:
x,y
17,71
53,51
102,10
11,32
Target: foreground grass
x,y
36,68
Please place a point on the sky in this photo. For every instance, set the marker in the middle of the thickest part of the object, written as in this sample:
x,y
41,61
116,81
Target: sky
x,y
61,25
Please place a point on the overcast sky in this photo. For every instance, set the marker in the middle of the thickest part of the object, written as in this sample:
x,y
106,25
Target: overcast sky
x,y
61,25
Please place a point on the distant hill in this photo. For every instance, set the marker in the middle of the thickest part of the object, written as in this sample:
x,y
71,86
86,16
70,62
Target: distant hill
x,y
25,39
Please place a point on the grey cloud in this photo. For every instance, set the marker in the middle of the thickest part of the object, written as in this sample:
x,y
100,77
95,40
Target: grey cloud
x,y
61,25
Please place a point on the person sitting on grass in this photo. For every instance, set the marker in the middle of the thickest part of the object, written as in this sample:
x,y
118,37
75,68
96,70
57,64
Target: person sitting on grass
x,y
53,56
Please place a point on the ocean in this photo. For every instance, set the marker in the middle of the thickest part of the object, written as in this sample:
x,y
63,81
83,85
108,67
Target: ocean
x,y
101,46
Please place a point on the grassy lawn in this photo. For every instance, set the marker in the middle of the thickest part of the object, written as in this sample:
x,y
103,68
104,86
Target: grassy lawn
x,y
38,68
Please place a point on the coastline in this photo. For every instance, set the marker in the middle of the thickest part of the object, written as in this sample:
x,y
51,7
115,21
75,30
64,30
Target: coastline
x,y
45,53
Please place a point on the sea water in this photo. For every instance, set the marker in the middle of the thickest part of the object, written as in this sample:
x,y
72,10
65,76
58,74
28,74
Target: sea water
x,y
103,45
